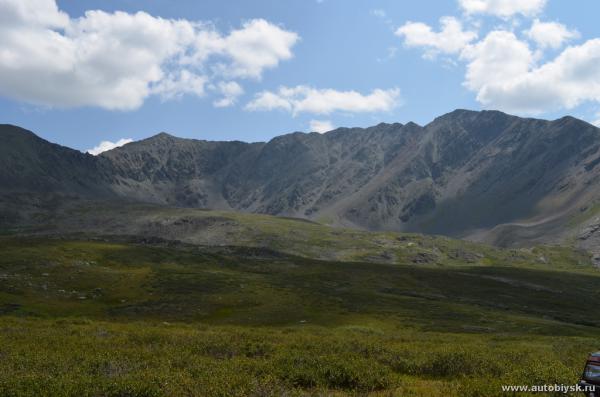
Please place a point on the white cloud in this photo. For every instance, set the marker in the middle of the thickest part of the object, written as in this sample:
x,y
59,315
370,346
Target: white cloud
x,y
231,91
499,57
379,13
259,45
176,85
36,12
116,60
305,99
503,8
550,34
108,145
321,126
267,100
501,70
451,38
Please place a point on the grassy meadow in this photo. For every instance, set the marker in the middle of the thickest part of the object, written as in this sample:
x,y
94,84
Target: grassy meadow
x,y
98,317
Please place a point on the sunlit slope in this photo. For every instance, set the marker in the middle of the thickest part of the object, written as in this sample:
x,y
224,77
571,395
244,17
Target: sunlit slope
x,y
152,224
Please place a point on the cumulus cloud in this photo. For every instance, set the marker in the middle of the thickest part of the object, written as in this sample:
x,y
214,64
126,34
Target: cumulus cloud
x,y
512,71
259,45
451,38
499,57
321,126
116,60
175,85
108,145
514,83
503,8
305,99
550,34
230,91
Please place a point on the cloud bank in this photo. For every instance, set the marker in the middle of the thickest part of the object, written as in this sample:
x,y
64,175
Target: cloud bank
x,y
117,60
513,71
306,99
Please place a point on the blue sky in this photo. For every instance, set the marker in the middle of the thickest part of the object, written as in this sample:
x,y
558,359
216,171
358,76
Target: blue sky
x,y
340,63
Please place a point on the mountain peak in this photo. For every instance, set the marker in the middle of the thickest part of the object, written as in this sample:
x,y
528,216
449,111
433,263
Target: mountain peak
x,y
572,121
469,115
163,135
387,125
160,138
412,125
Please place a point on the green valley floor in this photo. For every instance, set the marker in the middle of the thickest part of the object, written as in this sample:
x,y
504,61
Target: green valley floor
x,y
112,317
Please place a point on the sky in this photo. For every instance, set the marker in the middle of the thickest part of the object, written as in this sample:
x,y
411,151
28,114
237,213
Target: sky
x,y
93,74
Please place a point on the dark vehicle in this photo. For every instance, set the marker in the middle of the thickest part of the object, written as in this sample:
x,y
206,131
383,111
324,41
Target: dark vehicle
x,y
590,379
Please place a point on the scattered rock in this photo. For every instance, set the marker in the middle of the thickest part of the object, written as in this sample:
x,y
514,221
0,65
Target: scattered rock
x,y
589,231
475,328
423,257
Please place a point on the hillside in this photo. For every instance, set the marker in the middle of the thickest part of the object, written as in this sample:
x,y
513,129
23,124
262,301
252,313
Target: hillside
x,y
170,226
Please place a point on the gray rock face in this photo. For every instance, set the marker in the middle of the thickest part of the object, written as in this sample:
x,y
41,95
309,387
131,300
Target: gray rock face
x,y
485,175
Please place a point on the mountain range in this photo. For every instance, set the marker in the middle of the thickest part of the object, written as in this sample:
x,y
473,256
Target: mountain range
x,y
481,175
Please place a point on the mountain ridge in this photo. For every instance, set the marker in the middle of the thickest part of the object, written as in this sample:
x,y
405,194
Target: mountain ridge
x,y
464,174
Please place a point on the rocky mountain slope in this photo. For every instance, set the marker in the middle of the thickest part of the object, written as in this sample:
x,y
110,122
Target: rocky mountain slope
x,y
483,175
31,164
